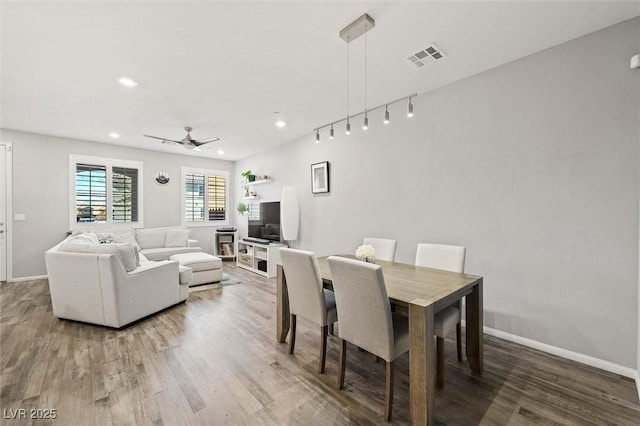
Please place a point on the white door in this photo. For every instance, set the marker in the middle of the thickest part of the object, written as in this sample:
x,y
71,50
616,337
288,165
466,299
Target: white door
x,y
3,212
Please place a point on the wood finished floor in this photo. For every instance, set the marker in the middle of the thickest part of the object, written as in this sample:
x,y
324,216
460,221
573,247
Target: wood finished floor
x,y
214,361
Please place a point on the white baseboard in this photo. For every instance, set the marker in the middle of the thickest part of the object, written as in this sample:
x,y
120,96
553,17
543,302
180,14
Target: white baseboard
x,y
564,353
35,277
638,383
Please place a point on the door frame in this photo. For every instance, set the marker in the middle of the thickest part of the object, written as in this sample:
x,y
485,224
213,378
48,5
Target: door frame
x,y
9,208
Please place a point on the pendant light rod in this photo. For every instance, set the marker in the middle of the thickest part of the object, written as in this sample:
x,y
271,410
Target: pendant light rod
x,y
368,110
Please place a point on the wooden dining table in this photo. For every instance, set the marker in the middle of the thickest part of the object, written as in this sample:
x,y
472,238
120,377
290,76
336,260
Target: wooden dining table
x,y
421,293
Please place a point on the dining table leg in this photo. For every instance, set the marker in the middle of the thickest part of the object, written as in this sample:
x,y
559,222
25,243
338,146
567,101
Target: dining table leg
x,y
282,305
422,362
475,326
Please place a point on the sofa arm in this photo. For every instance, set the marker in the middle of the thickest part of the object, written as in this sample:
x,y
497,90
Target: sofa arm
x,y
192,243
141,292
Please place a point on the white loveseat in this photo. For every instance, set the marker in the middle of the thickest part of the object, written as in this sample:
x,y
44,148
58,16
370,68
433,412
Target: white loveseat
x,y
111,286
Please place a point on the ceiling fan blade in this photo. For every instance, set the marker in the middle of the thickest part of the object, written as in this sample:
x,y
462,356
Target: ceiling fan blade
x,y
162,139
198,142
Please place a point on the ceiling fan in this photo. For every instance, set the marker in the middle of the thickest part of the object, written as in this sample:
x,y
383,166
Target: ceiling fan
x,y
188,142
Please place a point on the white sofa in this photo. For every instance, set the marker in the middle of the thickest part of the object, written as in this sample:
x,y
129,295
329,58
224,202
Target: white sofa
x,y
155,243
111,287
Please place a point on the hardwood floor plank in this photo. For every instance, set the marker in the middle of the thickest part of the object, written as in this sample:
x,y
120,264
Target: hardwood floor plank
x,y
214,361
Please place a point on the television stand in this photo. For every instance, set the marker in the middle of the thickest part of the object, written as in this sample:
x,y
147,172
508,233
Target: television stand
x,y
256,240
260,258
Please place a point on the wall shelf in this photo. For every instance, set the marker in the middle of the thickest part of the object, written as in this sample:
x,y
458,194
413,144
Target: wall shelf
x,y
258,182
251,197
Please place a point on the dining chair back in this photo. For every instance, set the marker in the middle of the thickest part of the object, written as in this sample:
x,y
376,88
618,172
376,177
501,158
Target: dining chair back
x,y
385,248
448,258
307,297
366,319
441,256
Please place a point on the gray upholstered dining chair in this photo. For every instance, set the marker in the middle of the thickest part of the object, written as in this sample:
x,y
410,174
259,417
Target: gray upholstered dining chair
x,y
366,319
385,248
307,297
447,258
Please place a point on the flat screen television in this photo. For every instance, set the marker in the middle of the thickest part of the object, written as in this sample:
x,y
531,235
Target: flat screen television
x,y
267,227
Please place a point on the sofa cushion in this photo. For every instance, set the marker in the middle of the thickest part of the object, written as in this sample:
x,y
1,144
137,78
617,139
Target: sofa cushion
x,y
151,238
164,253
198,261
177,238
127,253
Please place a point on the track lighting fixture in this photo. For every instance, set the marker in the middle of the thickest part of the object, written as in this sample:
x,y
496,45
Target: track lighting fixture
x,y
349,33
369,111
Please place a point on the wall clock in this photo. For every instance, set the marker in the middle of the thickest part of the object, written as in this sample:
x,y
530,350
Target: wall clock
x,y
162,178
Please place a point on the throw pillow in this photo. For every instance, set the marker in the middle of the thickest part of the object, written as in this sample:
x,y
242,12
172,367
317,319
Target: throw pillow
x,y
126,237
177,238
150,238
104,237
84,237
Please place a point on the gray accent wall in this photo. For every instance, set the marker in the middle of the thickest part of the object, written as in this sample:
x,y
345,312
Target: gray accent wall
x,y
41,191
532,166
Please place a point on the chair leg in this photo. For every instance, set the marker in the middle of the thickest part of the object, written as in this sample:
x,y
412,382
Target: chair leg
x,y
331,328
292,339
459,340
323,347
343,363
388,399
440,362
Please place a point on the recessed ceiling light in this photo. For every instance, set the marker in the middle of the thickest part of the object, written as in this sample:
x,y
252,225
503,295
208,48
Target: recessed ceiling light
x,y
126,81
114,135
279,121
220,152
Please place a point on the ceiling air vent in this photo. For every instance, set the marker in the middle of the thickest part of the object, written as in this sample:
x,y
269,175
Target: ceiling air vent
x,y
429,54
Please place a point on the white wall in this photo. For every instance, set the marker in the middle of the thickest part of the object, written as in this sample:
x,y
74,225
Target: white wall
x,y
41,191
533,166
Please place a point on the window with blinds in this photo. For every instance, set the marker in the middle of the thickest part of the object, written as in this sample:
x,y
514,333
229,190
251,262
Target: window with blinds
x,y
205,197
194,197
217,198
91,193
105,191
124,194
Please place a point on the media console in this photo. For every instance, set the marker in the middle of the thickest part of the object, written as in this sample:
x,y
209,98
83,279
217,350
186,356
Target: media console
x,y
259,258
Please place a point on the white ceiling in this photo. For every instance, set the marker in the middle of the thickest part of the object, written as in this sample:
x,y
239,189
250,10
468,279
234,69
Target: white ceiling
x,y
225,67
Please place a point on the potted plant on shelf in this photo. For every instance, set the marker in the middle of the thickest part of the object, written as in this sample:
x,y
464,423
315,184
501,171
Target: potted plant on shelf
x,y
242,209
250,177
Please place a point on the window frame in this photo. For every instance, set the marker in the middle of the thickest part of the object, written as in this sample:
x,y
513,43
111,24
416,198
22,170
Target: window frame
x,y
206,173
109,163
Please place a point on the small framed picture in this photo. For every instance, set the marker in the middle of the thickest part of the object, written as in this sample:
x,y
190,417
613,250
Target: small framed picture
x,y
320,177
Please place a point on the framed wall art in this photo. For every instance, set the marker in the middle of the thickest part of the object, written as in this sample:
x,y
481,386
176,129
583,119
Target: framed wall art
x,y
320,177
